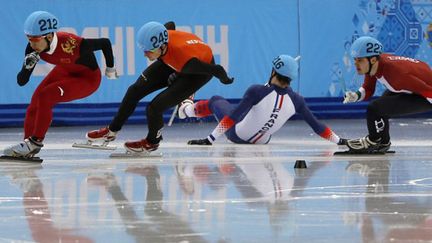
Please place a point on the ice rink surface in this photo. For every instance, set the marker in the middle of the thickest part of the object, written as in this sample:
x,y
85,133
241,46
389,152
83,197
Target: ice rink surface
x,y
221,193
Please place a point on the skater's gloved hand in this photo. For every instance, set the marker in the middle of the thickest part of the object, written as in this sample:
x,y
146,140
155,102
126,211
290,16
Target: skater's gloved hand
x,y
111,73
227,81
351,96
342,141
170,25
220,73
31,59
172,78
204,141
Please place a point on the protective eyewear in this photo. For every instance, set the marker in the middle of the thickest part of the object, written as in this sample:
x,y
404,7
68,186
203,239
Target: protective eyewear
x,y
151,51
35,38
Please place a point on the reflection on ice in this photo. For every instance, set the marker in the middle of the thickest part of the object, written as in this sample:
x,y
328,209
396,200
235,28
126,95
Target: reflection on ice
x,y
220,193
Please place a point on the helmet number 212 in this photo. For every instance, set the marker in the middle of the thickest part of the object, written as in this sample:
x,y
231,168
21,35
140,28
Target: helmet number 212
x,y
47,24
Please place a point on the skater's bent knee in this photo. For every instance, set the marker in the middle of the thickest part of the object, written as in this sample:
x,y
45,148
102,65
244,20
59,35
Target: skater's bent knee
x,y
216,97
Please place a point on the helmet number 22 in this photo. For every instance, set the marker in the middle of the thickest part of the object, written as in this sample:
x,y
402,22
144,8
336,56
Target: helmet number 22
x,y
373,48
47,24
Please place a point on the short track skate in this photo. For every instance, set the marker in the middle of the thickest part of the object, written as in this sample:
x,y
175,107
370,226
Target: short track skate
x,y
30,159
90,145
353,152
128,154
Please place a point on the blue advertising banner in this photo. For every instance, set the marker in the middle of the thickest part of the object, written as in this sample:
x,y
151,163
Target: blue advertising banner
x,y
245,37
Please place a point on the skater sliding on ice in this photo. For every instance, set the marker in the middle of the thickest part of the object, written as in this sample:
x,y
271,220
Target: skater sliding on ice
x,y
183,64
76,75
263,110
409,91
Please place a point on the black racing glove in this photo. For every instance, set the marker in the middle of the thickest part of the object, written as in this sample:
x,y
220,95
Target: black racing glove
x,y
220,73
204,141
227,81
170,25
30,60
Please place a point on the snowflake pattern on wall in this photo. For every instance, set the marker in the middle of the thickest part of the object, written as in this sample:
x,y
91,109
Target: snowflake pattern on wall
x,y
397,24
423,10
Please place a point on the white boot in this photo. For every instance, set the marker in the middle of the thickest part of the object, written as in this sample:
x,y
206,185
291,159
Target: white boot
x,y
27,148
186,109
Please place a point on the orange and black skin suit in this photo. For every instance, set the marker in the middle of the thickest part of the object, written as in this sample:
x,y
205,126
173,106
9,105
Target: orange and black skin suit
x,y
184,68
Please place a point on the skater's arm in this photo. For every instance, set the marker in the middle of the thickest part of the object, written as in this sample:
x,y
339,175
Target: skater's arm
x,y
104,44
195,66
319,128
24,74
368,88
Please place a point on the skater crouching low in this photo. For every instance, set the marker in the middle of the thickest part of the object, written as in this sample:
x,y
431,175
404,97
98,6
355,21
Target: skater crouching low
x,y
76,75
183,64
409,91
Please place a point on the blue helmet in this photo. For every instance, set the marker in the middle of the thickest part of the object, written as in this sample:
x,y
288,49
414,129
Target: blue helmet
x,y
151,36
40,23
366,46
286,66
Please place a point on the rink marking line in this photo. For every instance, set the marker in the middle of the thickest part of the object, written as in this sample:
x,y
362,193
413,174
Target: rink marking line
x,y
415,182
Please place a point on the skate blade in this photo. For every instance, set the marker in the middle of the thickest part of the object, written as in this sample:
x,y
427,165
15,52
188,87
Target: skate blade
x,y
93,146
20,159
136,155
350,152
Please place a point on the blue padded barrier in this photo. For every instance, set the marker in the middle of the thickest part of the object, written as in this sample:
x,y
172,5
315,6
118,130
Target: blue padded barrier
x,y
12,115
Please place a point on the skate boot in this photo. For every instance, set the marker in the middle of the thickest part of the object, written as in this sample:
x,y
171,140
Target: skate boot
x,y
104,134
185,108
367,146
27,149
141,146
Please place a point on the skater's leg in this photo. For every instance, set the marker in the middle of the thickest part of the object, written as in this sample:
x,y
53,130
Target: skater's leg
x,y
216,105
153,78
180,90
220,107
379,111
30,117
66,89
392,105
